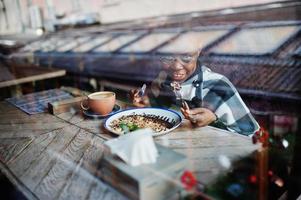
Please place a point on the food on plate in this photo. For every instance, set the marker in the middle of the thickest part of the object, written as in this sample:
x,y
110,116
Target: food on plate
x,y
128,123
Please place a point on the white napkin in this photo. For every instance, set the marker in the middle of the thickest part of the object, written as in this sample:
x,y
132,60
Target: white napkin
x,y
135,148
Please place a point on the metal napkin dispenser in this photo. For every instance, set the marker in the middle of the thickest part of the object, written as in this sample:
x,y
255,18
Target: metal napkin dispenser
x,y
147,181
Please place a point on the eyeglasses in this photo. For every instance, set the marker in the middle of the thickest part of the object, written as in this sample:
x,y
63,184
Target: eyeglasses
x,y
172,59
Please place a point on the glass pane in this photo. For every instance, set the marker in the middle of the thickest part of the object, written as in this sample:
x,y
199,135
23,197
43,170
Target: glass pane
x,y
34,46
148,42
43,45
89,45
116,43
72,43
191,41
255,40
51,44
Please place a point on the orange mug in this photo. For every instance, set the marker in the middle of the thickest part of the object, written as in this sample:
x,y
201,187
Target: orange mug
x,y
100,102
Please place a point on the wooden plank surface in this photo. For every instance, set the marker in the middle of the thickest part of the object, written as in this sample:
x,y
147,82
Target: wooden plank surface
x,y
14,123
91,125
57,164
74,117
42,163
81,180
11,147
24,160
83,184
55,180
56,157
203,146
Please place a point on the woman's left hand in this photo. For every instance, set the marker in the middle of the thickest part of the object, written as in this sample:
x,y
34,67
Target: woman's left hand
x,y
199,116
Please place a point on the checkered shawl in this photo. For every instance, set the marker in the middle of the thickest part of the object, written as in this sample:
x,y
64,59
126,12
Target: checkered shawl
x,y
213,91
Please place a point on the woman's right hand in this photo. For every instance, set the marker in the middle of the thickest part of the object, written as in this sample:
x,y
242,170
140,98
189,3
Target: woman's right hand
x,y
138,100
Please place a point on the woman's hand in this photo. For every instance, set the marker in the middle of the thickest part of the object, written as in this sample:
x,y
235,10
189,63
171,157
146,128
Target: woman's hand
x,y
198,116
138,100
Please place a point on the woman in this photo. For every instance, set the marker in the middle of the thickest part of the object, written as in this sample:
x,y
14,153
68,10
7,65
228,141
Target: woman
x,y
205,97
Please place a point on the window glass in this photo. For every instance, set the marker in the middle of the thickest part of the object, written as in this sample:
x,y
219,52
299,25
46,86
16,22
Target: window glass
x,y
148,42
91,44
191,41
51,44
34,46
255,40
72,43
116,43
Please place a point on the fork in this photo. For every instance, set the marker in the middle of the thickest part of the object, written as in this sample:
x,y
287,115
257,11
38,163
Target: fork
x,y
142,90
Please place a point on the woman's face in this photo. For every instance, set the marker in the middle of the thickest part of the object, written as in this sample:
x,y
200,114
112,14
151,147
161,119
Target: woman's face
x,y
179,68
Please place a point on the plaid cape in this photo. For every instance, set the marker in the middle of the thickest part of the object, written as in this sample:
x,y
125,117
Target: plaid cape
x,y
211,90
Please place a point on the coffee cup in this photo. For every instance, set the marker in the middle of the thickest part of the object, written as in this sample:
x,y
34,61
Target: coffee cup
x,y
99,102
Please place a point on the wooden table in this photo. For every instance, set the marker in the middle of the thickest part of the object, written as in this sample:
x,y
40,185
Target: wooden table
x,y
55,157
11,76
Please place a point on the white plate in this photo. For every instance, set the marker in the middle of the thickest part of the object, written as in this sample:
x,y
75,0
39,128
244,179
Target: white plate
x,y
170,115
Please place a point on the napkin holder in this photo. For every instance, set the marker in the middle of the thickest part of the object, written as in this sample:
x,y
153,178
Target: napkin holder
x,y
147,181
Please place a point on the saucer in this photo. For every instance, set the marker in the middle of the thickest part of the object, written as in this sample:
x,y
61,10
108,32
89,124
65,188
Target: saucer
x,y
89,113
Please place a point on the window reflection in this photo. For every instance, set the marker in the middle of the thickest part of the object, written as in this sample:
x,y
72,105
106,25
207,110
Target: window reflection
x,y
148,42
72,43
192,40
91,44
116,43
256,41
